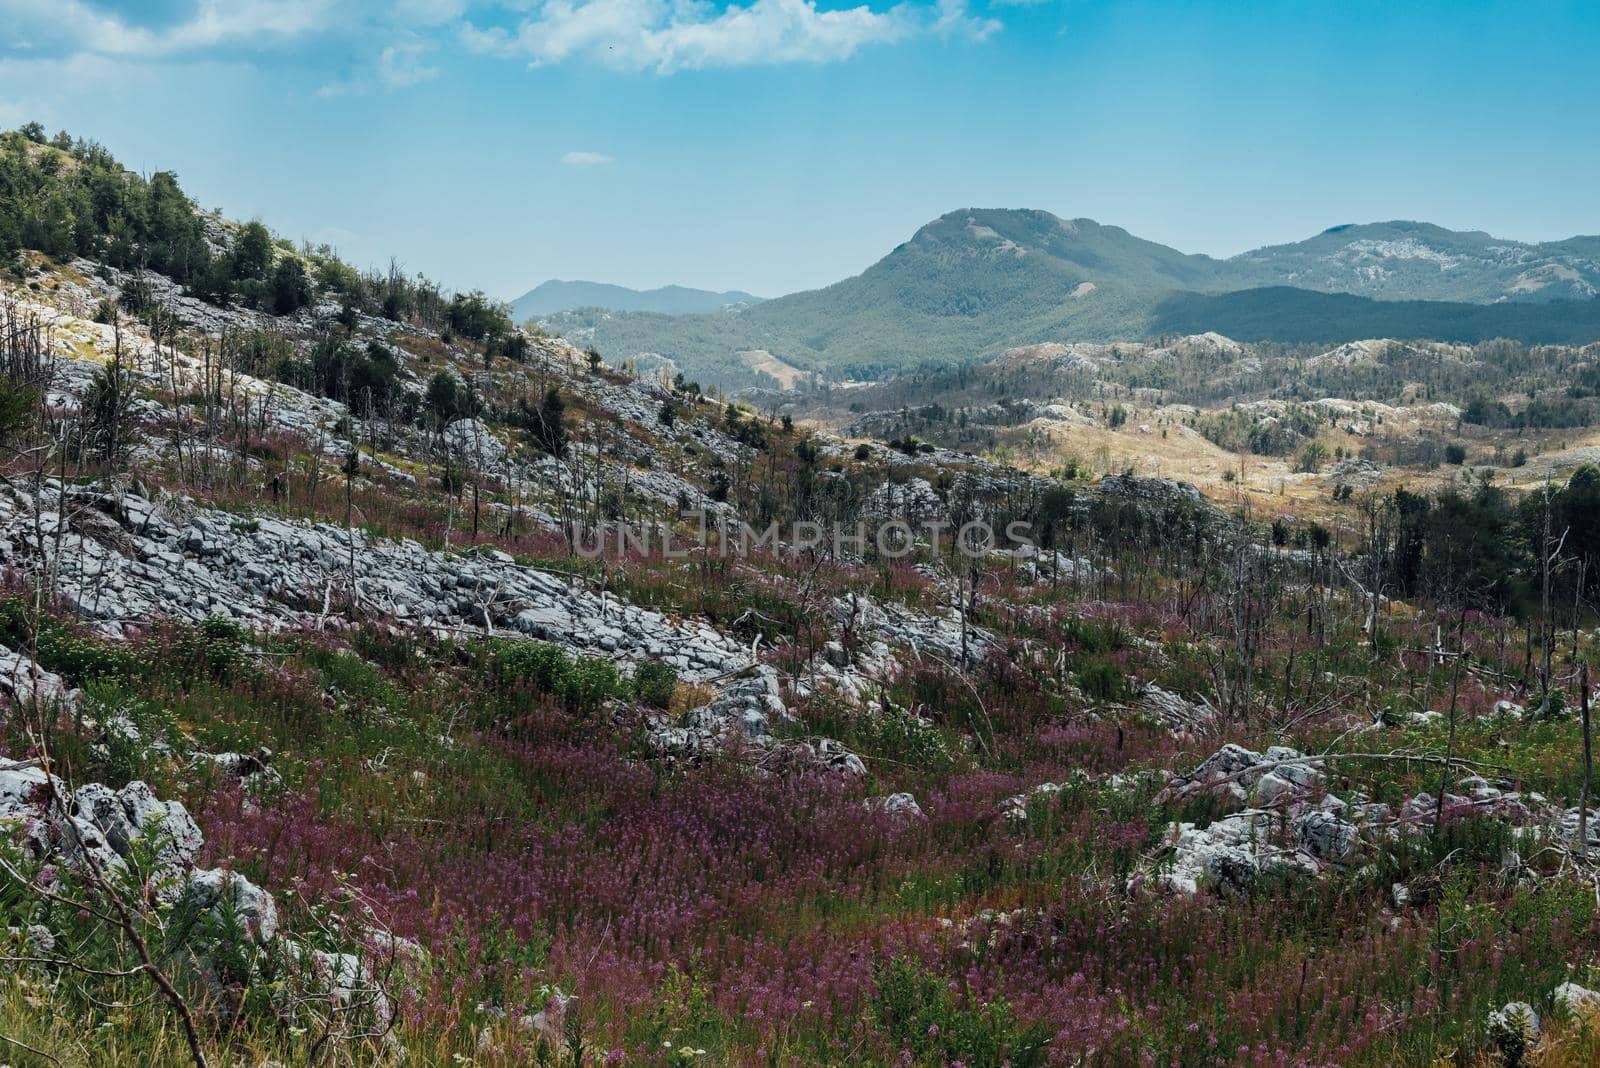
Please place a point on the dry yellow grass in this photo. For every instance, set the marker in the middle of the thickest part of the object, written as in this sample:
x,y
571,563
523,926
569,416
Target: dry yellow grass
x,y
1155,443
1571,1043
765,362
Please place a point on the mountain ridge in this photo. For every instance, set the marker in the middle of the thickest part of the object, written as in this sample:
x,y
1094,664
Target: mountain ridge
x,y
974,281
558,294
1410,260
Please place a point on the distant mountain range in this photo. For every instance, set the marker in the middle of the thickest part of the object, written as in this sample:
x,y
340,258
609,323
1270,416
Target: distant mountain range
x,y
1420,261
558,296
974,282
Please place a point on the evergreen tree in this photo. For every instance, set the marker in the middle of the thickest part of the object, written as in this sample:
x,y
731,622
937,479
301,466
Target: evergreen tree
x,y
252,252
291,288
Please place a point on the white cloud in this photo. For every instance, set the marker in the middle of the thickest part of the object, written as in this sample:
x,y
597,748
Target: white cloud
x,y
586,159
394,40
672,35
400,65
429,12
955,21
79,27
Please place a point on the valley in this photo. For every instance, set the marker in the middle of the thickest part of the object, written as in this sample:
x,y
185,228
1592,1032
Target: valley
x,y
1098,697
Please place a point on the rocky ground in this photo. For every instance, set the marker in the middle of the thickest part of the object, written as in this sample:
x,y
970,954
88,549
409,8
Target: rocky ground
x,y
333,693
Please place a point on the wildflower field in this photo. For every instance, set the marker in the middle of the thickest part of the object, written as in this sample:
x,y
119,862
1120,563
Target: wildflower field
x,y
493,802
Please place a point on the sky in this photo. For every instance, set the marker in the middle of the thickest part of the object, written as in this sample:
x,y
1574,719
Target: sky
x,y
777,145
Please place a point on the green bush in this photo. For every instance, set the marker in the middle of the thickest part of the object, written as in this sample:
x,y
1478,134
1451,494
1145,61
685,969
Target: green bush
x,y
546,668
1102,680
589,682
936,1025
351,680
125,749
654,682
215,648
541,665
75,657
1092,636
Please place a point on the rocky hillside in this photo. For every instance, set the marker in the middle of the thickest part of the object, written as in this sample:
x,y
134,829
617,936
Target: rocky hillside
x,y
1235,416
1420,261
385,684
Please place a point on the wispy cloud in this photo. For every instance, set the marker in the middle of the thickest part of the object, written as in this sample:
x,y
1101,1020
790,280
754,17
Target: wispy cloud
x,y
587,159
429,12
386,39
401,65
395,44
673,35
74,26
952,19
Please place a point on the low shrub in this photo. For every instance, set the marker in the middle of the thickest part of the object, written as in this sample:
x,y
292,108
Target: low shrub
x,y
654,683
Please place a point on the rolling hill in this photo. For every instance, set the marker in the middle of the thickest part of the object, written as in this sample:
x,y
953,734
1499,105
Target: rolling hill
x,y
558,296
977,281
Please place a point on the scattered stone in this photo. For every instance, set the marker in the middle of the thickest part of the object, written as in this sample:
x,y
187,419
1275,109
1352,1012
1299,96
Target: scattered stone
x,y
206,889
475,444
1577,1000
22,681
1172,710
353,988
1325,836
1230,854
901,805
1354,471
1514,1029
255,770
23,785
1508,710
547,1021
1016,806
1228,772
134,813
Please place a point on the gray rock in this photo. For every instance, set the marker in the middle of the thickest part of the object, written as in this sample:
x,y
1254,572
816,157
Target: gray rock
x,y
23,785
23,681
1229,855
1577,999
205,889
1325,836
901,805
352,987
1231,762
1177,713
303,562
1271,788
1514,1026
134,813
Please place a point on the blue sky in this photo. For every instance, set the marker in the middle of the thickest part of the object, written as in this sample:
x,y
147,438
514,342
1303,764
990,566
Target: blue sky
x,y
774,145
